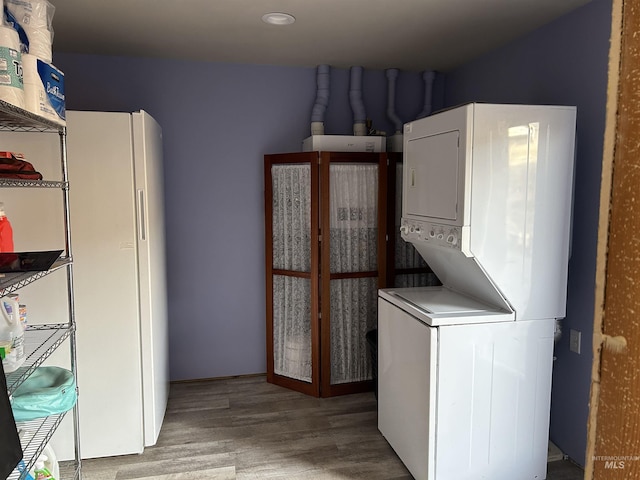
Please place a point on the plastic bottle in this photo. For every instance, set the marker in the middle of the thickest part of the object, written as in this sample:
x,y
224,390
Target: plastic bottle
x,y
22,310
51,461
41,472
23,316
11,331
47,457
22,468
6,232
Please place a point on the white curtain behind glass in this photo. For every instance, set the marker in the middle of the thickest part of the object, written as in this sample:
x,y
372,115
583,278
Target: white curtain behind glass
x,y
292,251
291,217
353,313
292,327
353,213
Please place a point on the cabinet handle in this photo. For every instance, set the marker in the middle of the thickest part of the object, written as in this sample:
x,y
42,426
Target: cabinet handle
x,y
141,216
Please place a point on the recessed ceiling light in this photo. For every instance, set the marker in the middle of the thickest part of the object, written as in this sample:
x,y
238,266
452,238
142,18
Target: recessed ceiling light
x,y
278,18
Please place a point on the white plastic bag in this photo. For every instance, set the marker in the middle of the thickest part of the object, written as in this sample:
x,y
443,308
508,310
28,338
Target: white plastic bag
x,y
32,19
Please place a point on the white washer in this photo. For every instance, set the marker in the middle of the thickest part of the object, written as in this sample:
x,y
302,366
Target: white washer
x,y
464,370
463,401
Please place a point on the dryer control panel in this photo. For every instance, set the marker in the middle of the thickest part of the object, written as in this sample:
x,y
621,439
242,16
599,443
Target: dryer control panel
x,y
431,233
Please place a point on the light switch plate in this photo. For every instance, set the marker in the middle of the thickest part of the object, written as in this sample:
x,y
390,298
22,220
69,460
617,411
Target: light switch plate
x,y
575,339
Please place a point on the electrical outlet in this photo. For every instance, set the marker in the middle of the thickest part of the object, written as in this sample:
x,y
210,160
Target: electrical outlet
x,y
575,339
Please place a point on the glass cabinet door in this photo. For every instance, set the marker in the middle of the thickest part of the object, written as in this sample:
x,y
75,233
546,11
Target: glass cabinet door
x,y
291,239
353,265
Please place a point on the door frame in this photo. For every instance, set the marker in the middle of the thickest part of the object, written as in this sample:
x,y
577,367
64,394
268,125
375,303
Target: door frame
x,y
613,422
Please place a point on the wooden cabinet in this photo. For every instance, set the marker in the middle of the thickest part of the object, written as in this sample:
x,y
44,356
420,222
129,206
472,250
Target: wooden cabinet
x,y
330,245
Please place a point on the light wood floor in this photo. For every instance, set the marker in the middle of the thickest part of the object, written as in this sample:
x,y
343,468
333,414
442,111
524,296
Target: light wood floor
x,y
245,428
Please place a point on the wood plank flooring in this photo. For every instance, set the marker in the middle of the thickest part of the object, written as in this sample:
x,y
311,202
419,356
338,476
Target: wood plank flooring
x,y
245,428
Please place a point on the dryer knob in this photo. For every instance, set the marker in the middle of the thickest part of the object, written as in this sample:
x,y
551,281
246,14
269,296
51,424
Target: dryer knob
x,y
452,238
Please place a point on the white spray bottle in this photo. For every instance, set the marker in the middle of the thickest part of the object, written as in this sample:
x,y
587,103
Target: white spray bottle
x,y
11,332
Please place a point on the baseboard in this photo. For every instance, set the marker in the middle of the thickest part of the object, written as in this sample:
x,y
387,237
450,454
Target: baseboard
x,y
210,379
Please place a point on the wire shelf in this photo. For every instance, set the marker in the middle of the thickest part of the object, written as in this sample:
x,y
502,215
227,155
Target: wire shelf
x,y
15,119
38,434
14,182
11,282
39,342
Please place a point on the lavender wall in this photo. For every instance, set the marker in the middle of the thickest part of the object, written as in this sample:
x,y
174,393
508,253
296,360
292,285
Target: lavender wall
x,y
218,121
562,63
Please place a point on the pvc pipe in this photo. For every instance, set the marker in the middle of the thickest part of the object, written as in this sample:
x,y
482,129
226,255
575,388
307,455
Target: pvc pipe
x,y
322,100
392,74
317,128
357,105
428,77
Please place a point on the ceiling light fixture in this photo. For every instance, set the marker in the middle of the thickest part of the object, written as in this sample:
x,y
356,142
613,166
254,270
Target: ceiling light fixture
x,y
278,18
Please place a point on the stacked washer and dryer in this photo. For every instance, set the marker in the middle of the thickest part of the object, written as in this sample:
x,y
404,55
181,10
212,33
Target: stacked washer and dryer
x,y
464,369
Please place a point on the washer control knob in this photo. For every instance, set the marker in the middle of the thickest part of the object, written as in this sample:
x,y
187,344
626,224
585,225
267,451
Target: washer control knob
x,y
404,229
452,238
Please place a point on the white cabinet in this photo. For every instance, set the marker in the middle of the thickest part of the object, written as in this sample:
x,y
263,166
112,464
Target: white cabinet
x,y
115,166
44,337
463,401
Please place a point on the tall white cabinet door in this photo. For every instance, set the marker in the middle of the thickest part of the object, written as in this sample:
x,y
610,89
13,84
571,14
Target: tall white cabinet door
x,y
149,188
105,272
407,350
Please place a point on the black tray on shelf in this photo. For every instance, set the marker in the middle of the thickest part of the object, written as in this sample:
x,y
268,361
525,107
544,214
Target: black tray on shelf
x,y
11,262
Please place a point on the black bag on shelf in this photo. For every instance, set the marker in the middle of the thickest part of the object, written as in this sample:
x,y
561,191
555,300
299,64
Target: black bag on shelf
x,y
10,448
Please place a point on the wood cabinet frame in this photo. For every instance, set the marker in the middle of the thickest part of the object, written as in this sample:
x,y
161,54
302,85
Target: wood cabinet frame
x,y
320,275
311,158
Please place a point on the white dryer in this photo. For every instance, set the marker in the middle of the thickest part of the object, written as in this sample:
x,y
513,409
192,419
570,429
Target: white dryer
x,y
464,370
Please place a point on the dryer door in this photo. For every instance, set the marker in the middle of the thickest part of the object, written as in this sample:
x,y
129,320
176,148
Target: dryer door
x,y
432,177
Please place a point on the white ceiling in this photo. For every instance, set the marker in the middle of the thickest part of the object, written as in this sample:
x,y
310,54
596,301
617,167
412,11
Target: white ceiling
x,y
407,34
